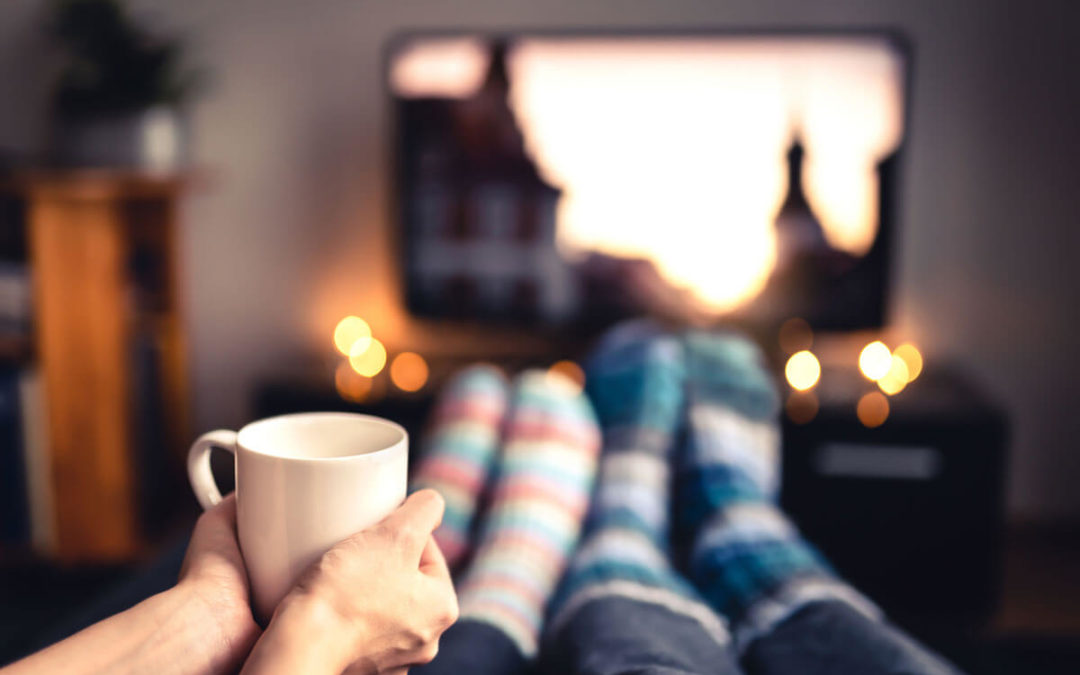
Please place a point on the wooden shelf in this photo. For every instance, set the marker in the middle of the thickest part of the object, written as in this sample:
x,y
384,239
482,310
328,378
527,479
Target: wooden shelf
x,y
84,230
97,184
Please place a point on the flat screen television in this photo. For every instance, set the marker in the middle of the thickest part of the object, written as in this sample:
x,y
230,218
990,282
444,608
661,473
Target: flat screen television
x,y
566,180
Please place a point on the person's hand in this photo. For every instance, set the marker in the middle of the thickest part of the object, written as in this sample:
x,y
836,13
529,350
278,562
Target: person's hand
x,y
213,576
203,624
376,602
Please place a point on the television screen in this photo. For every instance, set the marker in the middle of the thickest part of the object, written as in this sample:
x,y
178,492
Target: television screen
x,y
573,179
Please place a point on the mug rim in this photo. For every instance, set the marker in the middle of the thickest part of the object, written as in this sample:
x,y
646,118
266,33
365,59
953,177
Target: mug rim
x,y
399,443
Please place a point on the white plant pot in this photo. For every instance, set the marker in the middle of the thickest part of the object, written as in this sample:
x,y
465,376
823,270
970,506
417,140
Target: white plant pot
x,y
153,140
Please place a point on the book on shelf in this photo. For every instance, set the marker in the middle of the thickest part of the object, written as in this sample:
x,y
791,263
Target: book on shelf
x,y
35,447
14,511
26,515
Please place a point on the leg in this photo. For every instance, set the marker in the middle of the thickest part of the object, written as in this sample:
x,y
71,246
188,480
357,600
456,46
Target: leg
x,y
786,606
477,648
459,451
617,634
542,490
829,637
621,608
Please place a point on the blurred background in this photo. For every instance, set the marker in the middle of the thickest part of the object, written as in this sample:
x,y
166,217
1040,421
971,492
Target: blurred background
x,y
213,212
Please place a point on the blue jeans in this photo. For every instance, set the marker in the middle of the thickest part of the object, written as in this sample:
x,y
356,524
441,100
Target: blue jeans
x,y
619,636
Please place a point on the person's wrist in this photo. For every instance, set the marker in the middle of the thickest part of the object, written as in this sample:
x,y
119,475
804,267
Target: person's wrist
x,y
314,635
222,627
175,623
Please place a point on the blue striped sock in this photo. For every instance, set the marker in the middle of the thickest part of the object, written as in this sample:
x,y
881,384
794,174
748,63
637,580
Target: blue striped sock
x,y
635,381
748,559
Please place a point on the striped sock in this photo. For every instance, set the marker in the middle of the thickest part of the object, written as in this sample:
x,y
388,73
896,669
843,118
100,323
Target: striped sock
x,y
542,491
459,450
635,381
748,559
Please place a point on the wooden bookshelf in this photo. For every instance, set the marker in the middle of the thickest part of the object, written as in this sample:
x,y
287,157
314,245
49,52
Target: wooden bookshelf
x,y
102,259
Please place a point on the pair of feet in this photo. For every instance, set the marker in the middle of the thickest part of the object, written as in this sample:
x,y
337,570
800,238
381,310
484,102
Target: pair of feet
x,y
691,455
528,449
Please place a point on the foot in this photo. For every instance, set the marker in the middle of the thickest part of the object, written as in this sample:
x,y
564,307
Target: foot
x,y
545,477
459,451
747,559
636,382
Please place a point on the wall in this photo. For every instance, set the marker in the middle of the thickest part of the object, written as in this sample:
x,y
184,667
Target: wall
x,y
290,230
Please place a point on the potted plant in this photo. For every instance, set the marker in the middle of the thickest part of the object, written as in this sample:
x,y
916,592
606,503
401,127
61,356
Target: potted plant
x,y
119,98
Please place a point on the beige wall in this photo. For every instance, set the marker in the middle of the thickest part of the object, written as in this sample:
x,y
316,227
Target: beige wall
x,y
291,231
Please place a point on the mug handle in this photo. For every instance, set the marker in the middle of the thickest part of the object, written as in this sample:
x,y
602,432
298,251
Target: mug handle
x,y
198,465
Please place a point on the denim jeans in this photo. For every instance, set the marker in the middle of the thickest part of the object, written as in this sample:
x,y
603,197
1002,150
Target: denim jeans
x,y
618,636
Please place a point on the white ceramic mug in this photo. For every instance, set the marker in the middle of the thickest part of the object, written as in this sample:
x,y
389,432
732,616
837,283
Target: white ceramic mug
x,y
303,483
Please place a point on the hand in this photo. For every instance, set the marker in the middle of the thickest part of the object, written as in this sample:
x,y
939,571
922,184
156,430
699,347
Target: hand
x,y
213,576
374,603
201,625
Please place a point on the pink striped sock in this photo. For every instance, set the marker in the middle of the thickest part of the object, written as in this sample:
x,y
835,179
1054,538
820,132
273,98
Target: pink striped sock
x,y
544,482
459,450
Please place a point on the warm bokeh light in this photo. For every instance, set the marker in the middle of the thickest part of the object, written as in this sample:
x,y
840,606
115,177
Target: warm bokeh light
x,y
875,360
350,385
873,409
368,360
801,406
912,359
802,370
349,331
795,335
570,370
409,371
894,381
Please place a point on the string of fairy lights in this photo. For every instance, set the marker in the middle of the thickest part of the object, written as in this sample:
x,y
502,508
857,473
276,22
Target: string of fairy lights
x,y
890,369
364,358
